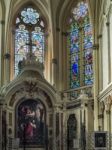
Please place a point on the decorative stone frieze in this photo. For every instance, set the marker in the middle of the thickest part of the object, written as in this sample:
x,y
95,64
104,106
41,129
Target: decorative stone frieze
x,y
30,91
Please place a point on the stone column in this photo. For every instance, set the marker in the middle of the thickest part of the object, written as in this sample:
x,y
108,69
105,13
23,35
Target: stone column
x,y
84,120
108,104
54,128
1,127
54,73
101,116
109,56
2,31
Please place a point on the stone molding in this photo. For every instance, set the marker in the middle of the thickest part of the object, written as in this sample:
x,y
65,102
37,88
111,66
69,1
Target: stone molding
x,y
105,93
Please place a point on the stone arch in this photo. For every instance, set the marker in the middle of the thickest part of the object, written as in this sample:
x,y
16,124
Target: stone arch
x,y
71,130
19,90
63,13
22,89
15,8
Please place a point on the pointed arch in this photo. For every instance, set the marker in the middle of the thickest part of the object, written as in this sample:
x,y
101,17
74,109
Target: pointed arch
x,y
64,21
17,8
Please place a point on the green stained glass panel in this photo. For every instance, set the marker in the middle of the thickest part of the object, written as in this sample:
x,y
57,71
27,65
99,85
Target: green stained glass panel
x,y
74,56
88,43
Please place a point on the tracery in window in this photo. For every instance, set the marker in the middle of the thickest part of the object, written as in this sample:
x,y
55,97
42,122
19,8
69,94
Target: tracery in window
x,y
29,36
80,47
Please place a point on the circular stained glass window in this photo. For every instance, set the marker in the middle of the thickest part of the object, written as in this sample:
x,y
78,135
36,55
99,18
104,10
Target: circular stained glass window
x,y
80,11
30,16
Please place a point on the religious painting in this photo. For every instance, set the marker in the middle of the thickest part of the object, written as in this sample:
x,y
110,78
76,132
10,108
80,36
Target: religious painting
x,y
31,128
100,140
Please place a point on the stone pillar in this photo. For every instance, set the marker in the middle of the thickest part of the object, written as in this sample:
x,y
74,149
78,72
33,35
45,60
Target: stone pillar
x,y
84,120
1,127
108,104
96,80
54,128
2,31
54,68
101,116
109,56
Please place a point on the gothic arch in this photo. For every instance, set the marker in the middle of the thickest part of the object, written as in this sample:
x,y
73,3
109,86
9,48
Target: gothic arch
x,y
15,7
62,17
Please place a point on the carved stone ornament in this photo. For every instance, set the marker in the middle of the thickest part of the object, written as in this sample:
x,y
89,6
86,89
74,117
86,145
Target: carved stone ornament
x,y
108,103
30,90
102,107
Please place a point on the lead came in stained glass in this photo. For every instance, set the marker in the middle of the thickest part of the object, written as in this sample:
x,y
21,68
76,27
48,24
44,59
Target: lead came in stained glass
x,y
88,74
88,52
80,47
74,50
21,38
28,37
38,41
30,16
80,11
88,36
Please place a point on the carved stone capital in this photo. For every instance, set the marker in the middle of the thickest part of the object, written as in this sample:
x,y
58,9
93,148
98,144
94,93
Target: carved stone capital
x,y
100,116
95,46
107,24
99,36
108,103
108,112
54,61
102,106
65,34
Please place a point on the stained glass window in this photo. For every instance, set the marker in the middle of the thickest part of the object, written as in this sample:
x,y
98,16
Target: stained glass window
x,y
80,47
88,53
74,56
29,36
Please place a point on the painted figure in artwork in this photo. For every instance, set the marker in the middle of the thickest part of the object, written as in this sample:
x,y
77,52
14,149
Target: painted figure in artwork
x,y
31,123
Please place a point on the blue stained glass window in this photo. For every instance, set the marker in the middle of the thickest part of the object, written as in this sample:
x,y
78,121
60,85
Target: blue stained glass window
x,y
29,16
21,39
74,56
75,71
88,74
80,47
29,36
88,43
80,11
38,41
74,40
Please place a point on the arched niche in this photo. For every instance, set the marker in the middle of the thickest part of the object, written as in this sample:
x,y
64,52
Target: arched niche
x,y
25,92
71,131
31,126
